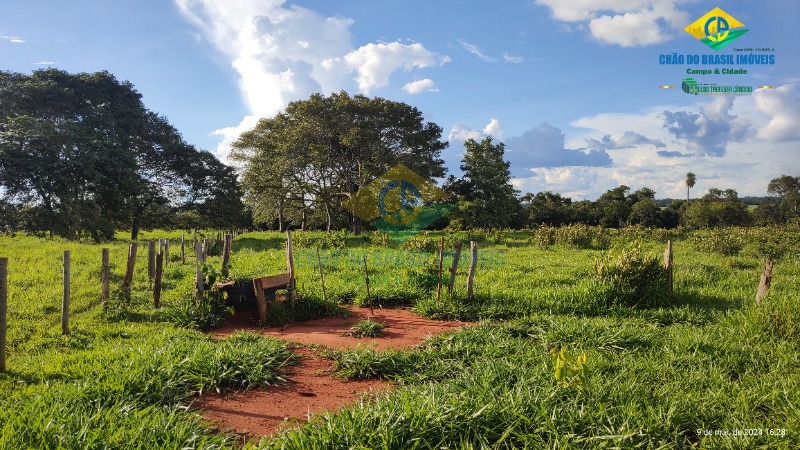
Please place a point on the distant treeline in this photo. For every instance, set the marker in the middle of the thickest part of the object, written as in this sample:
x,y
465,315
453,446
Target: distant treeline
x,y
747,200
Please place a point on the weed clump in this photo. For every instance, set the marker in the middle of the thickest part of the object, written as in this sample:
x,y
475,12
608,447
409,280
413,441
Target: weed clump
x,y
627,276
367,328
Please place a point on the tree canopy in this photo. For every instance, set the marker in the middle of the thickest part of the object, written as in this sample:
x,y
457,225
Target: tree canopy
x,y
81,155
487,199
301,164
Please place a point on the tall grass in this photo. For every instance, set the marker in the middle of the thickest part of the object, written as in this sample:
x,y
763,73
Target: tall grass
x,y
707,359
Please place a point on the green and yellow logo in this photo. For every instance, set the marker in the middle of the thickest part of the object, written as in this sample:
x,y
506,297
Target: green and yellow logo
x,y
399,200
716,29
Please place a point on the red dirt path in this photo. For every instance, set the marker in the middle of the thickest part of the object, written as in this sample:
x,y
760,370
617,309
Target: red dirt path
x,y
311,388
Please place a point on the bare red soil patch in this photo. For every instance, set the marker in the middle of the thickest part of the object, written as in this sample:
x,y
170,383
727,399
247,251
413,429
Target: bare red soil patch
x,y
312,388
403,329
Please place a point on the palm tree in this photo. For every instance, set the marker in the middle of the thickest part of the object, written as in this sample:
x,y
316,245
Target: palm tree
x,y
690,180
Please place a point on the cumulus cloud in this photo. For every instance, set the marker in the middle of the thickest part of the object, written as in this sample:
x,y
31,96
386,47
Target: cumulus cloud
x,y
782,110
710,131
494,128
229,135
461,132
286,52
45,63
425,85
374,63
626,23
628,140
544,146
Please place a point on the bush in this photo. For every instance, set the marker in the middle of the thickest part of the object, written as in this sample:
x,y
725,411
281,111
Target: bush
x,y
627,276
725,241
206,312
580,235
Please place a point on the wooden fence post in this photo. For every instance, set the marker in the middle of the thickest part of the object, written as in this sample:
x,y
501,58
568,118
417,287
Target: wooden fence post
x,y
454,267
441,256
3,311
668,262
322,277
151,259
205,249
766,281
472,266
183,250
65,295
198,277
104,279
126,282
157,284
166,251
290,264
226,253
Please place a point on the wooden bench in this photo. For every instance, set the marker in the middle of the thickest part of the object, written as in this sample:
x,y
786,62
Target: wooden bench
x,y
266,288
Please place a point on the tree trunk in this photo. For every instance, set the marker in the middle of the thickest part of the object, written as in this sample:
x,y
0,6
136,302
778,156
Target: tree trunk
x,y
328,218
280,217
135,230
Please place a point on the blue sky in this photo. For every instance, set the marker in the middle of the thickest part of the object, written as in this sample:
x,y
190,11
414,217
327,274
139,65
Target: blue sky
x,y
571,87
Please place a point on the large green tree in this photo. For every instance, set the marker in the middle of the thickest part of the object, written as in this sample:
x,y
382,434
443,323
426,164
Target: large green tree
x,y
547,208
487,199
788,188
322,150
718,208
80,155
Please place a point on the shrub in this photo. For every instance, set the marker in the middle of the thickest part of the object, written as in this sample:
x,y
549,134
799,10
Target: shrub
x,y
725,241
206,312
627,276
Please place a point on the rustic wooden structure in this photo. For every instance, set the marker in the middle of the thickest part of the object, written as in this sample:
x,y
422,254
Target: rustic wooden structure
x,y
266,288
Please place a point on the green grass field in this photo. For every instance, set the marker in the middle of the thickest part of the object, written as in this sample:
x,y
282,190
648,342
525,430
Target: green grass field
x,y
705,369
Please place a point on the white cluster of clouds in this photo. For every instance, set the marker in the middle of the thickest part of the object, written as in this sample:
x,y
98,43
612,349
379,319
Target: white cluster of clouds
x,y
424,85
655,148
286,52
627,23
